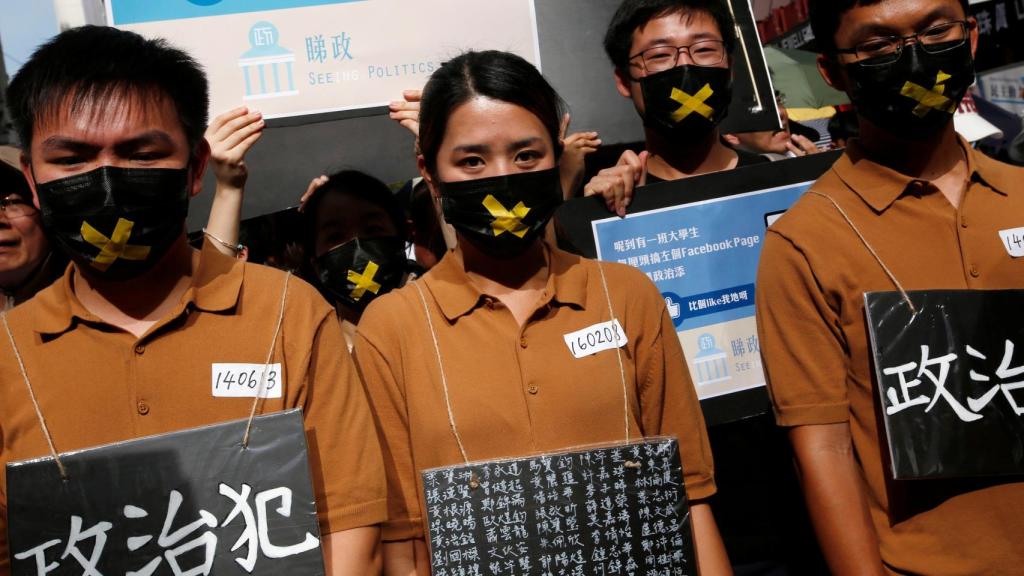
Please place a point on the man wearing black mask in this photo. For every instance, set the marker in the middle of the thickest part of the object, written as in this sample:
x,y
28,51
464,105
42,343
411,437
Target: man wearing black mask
x,y
673,59
909,203
129,341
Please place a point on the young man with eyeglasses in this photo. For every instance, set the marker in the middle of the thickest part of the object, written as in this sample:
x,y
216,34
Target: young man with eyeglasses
x,y
26,263
673,59
931,209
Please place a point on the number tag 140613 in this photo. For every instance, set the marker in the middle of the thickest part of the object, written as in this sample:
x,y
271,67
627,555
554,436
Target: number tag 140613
x,y
597,338
244,380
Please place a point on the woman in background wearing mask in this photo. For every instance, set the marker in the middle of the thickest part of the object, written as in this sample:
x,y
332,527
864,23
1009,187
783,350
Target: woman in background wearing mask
x,y
355,241
478,340
355,230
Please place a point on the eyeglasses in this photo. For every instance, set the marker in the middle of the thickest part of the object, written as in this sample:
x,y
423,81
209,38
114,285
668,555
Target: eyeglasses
x,y
885,50
16,207
661,58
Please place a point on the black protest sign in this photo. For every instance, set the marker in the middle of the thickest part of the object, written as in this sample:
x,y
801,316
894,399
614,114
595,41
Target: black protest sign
x,y
611,510
189,503
950,381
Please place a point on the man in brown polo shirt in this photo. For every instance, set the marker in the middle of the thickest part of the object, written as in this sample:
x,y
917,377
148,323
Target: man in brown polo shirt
x,y
932,209
126,343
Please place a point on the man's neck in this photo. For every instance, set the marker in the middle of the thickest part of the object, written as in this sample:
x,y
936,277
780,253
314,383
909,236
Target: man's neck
x,y
136,305
673,161
939,160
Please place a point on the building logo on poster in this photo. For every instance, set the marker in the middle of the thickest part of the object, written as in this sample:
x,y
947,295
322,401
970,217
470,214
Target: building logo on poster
x,y
710,366
267,67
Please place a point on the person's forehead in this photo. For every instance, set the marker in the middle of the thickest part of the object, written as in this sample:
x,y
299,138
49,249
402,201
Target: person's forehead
x,y
481,120
106,118
676,27
896,14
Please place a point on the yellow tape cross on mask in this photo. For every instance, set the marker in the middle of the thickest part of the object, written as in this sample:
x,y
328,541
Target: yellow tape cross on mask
x,y
691,104
364,281
506,220
115,247
928,100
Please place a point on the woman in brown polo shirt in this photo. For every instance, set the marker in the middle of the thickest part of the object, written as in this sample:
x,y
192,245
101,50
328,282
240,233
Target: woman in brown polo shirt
x,y
471,362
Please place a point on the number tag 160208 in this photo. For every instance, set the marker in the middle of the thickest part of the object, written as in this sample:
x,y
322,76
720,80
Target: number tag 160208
x,y
243,380
597,338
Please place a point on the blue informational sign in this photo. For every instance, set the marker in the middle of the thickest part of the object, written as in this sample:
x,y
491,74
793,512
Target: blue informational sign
x,y
703,258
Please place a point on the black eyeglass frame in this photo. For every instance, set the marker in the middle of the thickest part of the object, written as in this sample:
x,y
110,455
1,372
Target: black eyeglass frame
x,y
900,42
679,49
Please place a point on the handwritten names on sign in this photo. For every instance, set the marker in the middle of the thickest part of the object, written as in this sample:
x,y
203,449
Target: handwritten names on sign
x,y
575,513
950,381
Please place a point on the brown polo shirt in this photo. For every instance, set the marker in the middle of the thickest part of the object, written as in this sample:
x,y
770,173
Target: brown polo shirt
x,y
97,385
813,274
518,390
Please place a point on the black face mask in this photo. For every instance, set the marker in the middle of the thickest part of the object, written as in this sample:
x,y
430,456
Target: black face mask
x,y
915,96
502,216
362,269
687,102
116,222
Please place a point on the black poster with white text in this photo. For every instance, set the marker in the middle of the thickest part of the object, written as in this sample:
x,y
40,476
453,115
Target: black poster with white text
x,y
950,381
188,503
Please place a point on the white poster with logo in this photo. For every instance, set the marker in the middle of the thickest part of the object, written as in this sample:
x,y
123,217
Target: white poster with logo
x,y
299,57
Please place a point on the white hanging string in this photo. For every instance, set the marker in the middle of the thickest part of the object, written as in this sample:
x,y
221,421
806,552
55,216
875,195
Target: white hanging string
x,y
35,401
444,378
266,364
892,277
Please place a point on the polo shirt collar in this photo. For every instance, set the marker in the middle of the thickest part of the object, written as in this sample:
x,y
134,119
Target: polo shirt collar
x,y
216,286
879,186
457,296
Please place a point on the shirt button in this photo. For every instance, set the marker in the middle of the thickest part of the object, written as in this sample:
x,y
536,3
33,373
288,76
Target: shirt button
x,y
533,390
522,342
143,407
963,221
140,348
975,272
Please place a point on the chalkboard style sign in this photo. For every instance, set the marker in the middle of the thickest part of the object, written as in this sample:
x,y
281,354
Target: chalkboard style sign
x,y
699,240
610,510
189,503
950,381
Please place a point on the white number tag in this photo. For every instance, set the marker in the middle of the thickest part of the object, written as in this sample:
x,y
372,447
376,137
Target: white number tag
x,y
243,380
597,338
1013,239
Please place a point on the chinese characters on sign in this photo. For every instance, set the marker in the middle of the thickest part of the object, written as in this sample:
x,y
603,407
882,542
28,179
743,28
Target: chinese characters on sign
x,y
703,258
951,377
190,503
299,57
575,513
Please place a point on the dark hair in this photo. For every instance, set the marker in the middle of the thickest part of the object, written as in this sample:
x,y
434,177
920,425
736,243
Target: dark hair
x,y
90,64
358,185
633,14
827,14
492,74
